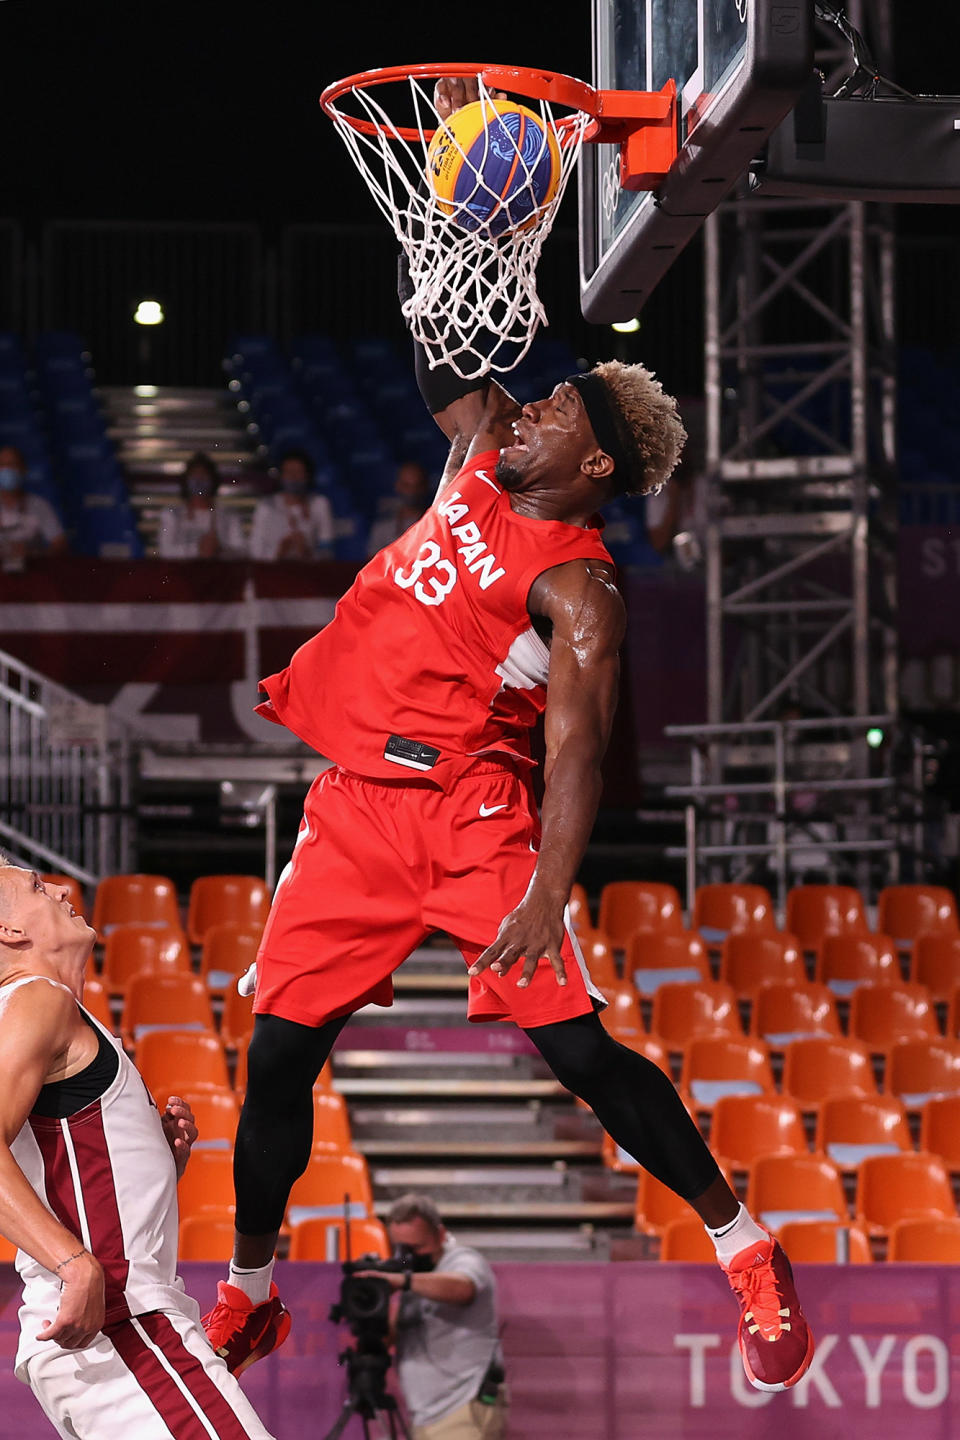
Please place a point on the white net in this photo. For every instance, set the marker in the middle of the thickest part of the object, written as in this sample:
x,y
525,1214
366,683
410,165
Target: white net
x,y
472,255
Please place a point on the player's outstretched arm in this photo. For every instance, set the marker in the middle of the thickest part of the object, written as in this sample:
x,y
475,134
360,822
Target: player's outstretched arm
x,y
34,1030
589,619
475,415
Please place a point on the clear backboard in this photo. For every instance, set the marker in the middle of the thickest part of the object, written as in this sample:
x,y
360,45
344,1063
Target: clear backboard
x,y
739,67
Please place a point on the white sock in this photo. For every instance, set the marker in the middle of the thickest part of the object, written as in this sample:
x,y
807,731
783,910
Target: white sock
x,y
736,1235
255,1284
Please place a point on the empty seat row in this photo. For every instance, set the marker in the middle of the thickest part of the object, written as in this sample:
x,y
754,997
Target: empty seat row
x,y
152,900
826,1242
813,911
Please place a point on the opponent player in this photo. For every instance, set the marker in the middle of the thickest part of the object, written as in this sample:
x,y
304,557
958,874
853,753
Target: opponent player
x,y
499,603
109,1342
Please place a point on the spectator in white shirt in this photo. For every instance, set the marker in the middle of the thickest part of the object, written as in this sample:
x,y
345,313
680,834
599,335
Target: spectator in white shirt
x,y
294,523
200,527
28,523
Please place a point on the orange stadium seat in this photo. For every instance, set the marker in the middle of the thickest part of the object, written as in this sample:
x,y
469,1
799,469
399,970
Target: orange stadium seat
x,y
207,1183
207,1236
579,907
97,1001
852,1127
8,1251
164,1002
686,1239
815,911
172,1061
925,1242
331,1122
228,950
622,1015
743,1127
817,1068
908,911
73,889
953,1015
143,950
322,1188
846,961
216,1113
721,910
782,1188
135,900
749,960
599,958
785,1012
655,958
824,1242
715,1065
880,1015
236,1019
629,906
940,1129
214,899
936,964
919,1069
656,1205
908,1186
320,1239
695,1007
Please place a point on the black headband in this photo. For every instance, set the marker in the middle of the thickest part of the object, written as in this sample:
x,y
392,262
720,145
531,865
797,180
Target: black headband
x,y
604,422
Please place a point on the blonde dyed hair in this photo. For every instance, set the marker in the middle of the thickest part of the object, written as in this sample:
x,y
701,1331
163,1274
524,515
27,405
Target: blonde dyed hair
x,y
648,424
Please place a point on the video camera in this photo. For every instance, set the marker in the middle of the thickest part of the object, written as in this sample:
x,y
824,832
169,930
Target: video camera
x,y
364,1302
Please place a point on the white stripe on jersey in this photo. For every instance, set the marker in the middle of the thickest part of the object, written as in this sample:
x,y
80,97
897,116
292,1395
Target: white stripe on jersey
x,y
592,990
194,1406
77,1185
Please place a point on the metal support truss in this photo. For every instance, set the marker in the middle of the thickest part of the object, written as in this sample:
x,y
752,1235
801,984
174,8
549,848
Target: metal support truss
x,y
801,458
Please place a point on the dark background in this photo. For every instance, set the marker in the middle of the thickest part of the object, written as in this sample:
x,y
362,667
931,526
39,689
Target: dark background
x,y
209,110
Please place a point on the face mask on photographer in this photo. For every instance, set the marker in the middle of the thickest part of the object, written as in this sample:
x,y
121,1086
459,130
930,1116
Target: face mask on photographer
x,y
10,478
293,485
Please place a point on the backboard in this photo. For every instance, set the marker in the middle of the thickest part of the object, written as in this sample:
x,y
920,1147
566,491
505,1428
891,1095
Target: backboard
x,y
739,67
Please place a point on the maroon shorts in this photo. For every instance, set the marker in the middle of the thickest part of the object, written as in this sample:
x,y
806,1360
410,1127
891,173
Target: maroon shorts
x,y
377,867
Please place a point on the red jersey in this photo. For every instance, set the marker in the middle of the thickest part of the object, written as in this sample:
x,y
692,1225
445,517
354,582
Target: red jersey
x,y
431,658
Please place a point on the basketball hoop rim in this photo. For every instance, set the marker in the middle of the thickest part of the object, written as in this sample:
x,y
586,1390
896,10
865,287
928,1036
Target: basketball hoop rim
x,y
537,84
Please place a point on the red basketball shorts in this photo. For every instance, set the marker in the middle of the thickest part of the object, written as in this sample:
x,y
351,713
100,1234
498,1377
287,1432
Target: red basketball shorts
x,y
378,867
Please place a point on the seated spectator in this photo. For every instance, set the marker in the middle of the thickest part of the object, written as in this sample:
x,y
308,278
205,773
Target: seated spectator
x,y
200,528
28,523
295,523
411,496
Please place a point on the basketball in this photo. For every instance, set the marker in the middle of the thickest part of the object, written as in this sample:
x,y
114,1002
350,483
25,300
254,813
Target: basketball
x,y
493,165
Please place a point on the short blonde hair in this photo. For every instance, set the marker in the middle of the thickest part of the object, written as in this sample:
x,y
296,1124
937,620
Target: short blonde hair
x,y
648,423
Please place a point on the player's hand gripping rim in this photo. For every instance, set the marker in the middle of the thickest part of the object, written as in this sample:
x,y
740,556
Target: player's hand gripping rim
x,y
528,932
451,93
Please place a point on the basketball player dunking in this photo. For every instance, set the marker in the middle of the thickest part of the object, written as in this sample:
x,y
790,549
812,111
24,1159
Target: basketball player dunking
x,y
497,605
109,1342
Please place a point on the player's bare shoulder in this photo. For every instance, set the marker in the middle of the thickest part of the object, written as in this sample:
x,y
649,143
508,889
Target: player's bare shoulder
x,y
582,603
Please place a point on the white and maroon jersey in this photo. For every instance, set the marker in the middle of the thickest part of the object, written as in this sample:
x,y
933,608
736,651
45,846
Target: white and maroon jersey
x,y
431,658
109,1176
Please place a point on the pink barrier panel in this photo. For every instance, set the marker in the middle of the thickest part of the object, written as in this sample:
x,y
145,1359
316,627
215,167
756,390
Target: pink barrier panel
x,y
631,1352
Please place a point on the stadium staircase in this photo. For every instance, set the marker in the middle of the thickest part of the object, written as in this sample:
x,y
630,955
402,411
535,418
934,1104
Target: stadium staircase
x,y
155,430
471,1116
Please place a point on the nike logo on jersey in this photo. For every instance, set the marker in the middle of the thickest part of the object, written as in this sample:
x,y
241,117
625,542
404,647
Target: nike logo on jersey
x,y
486,810
477,558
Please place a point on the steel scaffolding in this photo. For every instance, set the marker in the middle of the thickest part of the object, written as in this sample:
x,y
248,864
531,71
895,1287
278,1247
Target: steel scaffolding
x,y
801,466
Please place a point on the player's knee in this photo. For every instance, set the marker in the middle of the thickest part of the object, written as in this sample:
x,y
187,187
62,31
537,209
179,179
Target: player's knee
x,y
578,1051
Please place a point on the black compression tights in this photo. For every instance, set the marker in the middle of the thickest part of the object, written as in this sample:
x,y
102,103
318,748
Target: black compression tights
x,y
633,1100
276,1124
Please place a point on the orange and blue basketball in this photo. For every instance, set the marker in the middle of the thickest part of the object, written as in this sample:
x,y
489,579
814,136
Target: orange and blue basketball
x,y
493,165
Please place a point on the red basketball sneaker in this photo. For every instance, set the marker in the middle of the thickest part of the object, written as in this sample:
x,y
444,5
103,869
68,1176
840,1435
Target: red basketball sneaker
x,y
241,1332
775,1341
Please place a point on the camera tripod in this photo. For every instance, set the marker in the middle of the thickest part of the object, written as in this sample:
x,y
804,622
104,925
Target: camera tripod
x,y
367,1395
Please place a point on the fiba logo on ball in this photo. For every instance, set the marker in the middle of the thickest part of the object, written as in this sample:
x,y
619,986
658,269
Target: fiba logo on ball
x,y
493,166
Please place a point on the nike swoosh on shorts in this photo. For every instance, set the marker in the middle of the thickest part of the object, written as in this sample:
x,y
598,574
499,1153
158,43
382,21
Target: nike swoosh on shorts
x,y
486,810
